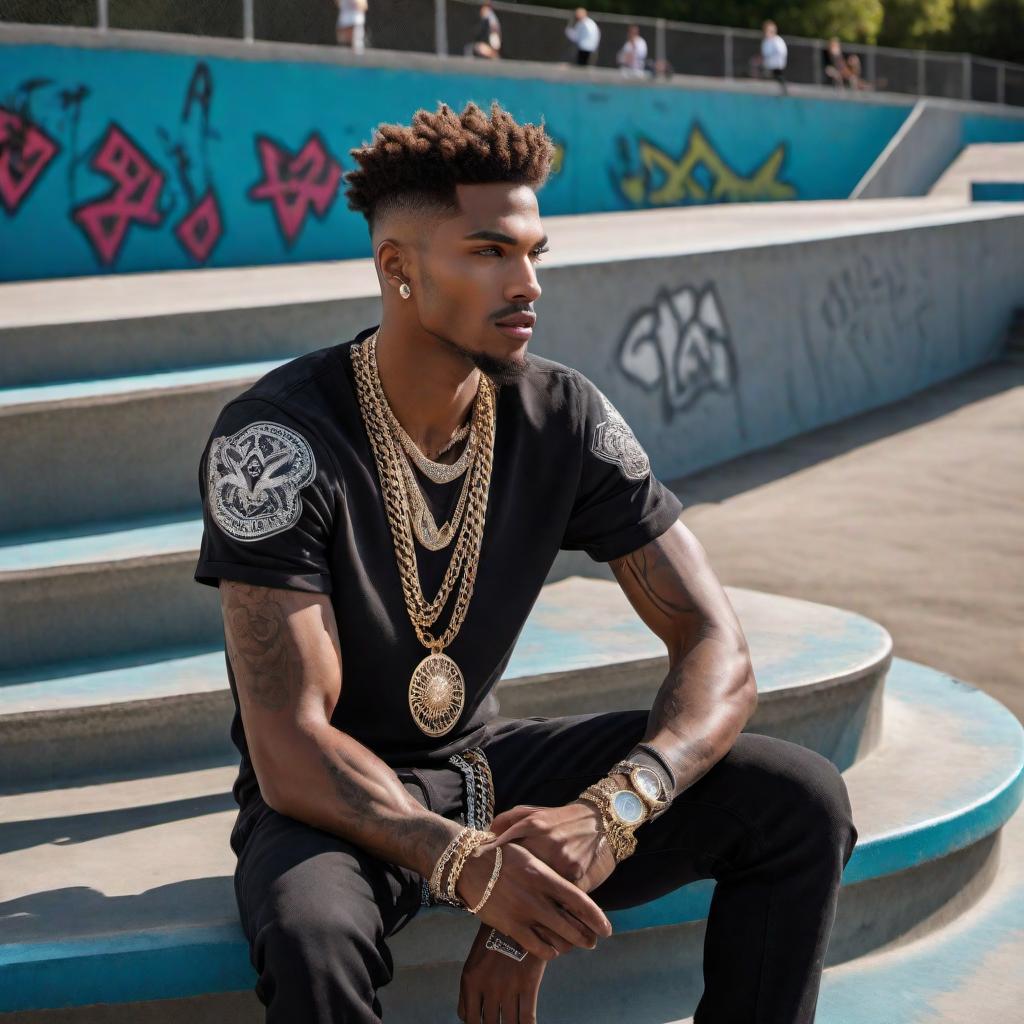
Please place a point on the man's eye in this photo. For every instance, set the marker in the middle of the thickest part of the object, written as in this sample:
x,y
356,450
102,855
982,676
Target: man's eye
x,y
536,254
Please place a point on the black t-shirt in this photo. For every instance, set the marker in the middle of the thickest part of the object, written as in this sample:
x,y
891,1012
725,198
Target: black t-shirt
x,y
292,498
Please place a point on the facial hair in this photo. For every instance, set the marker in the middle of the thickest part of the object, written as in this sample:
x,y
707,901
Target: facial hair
x,y
500,371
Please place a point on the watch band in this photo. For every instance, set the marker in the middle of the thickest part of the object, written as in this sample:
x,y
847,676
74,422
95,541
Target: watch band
x,y
620,839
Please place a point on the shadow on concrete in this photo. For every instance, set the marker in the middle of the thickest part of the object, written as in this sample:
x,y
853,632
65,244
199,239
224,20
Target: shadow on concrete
x,y
69,830
79,912
726,479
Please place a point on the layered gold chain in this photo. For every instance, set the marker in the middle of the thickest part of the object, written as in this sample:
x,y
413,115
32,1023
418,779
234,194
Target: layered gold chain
x,y
397,502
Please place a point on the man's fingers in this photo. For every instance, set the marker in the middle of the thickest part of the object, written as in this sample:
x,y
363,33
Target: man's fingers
x,y
510,817
492,1010
579,904
513,832
552,938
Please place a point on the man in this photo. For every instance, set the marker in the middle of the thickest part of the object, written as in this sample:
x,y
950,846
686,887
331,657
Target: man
x,y
632,57
368,730
774,54
583,32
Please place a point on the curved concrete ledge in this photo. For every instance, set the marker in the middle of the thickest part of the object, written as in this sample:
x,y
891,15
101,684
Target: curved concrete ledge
x,y
928,803
820,672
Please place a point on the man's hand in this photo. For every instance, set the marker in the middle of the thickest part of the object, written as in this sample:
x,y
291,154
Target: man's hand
x,y
494,984
569,839
531,903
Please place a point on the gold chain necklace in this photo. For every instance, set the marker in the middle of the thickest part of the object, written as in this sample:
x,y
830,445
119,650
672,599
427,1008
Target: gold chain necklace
x,y
439,472
437,690
428,533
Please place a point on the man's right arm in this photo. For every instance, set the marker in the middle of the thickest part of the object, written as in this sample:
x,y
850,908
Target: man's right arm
x,y
287,662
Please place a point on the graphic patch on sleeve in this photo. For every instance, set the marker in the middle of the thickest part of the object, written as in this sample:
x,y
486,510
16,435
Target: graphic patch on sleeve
x,y
254,478
615,442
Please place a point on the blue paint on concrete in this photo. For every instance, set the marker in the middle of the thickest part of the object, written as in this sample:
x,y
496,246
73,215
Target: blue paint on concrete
x,y
607,134
997,191
70,391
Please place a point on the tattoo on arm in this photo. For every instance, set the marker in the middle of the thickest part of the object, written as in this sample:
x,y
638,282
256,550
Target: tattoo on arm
x,y
654,574
259,645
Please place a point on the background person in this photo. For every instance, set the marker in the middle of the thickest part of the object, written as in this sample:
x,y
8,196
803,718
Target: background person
x,y
487,42
350,30
632,58
583,32
773,56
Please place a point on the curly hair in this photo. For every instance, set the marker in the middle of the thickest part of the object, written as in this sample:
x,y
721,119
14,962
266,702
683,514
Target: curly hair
x,y
417,166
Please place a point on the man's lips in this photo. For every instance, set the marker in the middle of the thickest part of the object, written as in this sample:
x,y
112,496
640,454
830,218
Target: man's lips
x,y
519,320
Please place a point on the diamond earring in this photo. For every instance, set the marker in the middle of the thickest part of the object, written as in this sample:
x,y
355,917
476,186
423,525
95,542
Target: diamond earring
x,y
404,290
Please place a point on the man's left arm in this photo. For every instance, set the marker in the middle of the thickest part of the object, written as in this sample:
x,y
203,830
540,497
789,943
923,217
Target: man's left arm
x,y
705,700
709,692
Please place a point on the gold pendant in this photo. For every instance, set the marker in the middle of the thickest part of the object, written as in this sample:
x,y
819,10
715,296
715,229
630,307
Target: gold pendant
x,y
437,694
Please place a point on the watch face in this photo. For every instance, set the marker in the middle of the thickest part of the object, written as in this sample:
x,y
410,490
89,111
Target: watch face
x,y
648,783
629,807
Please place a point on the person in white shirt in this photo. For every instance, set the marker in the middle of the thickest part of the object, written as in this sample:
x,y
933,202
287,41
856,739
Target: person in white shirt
x,y
773,56
583,31
351,25
632,58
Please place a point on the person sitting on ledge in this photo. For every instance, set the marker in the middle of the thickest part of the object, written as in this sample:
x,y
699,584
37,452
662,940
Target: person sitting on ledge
x,y
380,517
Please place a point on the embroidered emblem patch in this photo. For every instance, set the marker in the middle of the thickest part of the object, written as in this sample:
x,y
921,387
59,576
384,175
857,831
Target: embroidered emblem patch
x,y
615,442
254,478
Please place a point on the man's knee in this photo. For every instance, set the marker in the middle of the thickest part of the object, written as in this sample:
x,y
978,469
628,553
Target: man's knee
x,y
307,938
813,793
824,801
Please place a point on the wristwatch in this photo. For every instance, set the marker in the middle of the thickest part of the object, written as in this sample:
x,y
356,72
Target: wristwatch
x,y
621,812
646,783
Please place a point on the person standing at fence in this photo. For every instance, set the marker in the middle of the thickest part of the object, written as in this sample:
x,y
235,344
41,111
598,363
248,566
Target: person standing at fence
x,y
774,55
836,65
487,42
351,27
583,32
632,58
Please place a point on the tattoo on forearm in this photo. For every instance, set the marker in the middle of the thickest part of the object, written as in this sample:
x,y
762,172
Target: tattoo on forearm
x,y
259,645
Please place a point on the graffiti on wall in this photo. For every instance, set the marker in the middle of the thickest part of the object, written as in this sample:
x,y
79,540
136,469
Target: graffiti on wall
x,y
680,346
867,325
173,187
652,176
296,183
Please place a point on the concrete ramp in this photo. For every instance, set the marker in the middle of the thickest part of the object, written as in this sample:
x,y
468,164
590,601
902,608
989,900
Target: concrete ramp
x,y
983,162
915,156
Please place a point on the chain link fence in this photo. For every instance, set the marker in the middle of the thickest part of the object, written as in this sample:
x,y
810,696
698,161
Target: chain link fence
x,y
537,33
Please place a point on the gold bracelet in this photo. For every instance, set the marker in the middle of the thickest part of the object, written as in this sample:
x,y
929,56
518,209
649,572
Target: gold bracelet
x,y
442,861
620,839
476,839
490,884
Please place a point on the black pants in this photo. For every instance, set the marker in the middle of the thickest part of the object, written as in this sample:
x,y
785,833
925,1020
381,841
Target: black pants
x,y
771,822
584,57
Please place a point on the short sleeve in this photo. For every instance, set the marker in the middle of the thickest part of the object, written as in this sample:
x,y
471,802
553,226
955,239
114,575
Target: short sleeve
x,y
620,504
269,494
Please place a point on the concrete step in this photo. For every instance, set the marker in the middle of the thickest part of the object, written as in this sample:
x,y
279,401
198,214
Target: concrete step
x,y
145,906
115,588
91,450
820,673
133,324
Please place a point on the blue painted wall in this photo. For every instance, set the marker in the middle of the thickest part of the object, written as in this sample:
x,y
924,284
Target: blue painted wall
x,y
114,160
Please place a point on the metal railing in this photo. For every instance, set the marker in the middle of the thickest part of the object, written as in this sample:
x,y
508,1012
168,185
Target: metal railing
x,y
532,32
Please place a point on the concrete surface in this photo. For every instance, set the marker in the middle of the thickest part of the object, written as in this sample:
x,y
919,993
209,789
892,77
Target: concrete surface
x,y
910,514
984,161
926,851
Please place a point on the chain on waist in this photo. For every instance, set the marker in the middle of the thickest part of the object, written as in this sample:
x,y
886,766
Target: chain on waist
x,y
479,790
